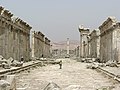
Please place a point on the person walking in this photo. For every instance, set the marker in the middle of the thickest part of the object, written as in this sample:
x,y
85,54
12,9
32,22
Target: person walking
x,y
60,63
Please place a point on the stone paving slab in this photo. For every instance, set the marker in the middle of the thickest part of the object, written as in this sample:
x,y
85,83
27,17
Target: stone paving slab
x,y
72,75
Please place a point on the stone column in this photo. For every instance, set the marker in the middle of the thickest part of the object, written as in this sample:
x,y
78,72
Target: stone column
x,y
83,41
87,53
33,42
68,46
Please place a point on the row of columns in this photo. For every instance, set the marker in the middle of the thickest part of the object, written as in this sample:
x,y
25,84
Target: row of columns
x,y
40,45
101,43
47,47
110,40
15,39
14,36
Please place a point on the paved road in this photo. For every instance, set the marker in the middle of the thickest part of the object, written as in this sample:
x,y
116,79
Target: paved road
x,y
73,74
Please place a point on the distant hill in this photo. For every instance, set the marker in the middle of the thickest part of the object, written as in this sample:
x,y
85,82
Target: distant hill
x,y
63,44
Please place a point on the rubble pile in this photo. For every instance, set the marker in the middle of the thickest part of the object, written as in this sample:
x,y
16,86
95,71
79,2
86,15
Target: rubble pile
x,y
7,63
111,64
90,60
4,63
91,66
14,63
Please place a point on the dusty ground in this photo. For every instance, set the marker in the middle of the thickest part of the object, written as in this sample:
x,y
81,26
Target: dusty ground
x,y
73,74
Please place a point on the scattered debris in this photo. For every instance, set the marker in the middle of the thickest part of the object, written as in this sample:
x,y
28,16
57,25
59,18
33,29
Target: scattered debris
x,y
88,60
91,66
4,63
97,60
82,59
15,63
111,64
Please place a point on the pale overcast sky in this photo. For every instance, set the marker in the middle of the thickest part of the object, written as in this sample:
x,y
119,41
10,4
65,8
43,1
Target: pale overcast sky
x,y
59,19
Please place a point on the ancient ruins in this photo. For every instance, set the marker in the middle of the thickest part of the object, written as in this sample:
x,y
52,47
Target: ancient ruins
x,y
15,39
102,43
83,41
60,68
37,44
109,40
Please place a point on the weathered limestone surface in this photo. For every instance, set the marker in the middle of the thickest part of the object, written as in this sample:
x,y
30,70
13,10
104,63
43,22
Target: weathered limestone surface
x,y
12,80
47,47
94,44
77,51
110,40
14,36
83,41
37,44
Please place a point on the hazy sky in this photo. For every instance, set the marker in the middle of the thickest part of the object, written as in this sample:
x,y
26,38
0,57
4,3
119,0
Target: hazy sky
x,y
59,19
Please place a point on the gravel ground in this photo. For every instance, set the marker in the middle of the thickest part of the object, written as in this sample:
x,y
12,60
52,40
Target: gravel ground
x,y
72,76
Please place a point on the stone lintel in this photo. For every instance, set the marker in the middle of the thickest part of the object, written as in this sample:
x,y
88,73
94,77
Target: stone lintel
x,y
107,31
38,35
84,30
7,14
23,24
117,25
46,38
47,41
109,22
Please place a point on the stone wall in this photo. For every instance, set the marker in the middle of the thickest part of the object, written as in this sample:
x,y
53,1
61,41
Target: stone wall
x,y
103,44
14,36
